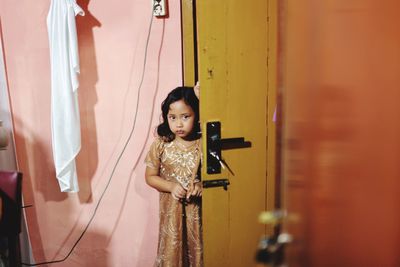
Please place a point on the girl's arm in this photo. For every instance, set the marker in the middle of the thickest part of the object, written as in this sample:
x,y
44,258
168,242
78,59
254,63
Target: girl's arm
x,y
154,180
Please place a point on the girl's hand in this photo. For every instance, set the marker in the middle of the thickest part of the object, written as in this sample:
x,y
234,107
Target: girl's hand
x,y
197,89
177,191
196,190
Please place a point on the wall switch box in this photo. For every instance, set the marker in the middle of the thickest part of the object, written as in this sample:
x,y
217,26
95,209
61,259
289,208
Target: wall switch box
x,y
160,8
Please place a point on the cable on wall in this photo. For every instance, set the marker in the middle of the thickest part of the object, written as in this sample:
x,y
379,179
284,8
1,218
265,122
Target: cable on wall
x,y
117,162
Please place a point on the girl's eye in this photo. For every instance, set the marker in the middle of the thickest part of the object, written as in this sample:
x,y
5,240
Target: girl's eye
x,y
171,117
186,117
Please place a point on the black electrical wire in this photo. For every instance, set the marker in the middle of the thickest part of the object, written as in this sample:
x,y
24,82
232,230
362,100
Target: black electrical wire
x,y
117,162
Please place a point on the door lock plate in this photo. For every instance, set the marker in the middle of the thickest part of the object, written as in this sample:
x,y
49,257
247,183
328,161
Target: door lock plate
x,y
215,144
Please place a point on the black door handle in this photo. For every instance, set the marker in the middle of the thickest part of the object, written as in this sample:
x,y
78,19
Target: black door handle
x,y
216,183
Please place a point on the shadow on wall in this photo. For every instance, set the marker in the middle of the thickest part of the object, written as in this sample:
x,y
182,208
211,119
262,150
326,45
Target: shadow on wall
x,y
38,168
42,172
40,163
91,251
87,160
39,171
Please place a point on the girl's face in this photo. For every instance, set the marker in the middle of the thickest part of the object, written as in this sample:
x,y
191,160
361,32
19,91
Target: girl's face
x,y
181,119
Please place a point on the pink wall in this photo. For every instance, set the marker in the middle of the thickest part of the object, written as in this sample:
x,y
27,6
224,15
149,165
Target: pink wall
x,y
112,40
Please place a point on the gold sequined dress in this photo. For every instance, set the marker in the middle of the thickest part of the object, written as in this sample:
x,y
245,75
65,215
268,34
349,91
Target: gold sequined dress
x,y
180,235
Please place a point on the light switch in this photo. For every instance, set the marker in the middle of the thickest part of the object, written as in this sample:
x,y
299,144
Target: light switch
x,y
160,8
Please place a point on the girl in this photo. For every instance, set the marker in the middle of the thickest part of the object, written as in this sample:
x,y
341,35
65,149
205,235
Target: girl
x,y
172,165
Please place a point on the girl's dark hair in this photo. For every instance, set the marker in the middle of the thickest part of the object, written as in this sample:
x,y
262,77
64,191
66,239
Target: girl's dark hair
x,y
179,93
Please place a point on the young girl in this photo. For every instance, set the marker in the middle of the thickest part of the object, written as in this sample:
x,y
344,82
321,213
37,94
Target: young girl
x,y
172,166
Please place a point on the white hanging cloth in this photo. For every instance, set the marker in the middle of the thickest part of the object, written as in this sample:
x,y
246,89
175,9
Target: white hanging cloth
x,y
65,122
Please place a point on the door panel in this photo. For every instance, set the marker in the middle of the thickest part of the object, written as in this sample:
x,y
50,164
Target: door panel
x,y
341,65
232,56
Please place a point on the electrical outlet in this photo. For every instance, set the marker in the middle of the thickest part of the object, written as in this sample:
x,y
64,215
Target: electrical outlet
x,y
160,8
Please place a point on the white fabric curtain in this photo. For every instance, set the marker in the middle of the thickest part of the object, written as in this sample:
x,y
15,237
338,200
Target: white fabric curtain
x,y
65,122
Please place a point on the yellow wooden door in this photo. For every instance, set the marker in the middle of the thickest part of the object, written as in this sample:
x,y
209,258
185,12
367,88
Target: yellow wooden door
x,y
237,90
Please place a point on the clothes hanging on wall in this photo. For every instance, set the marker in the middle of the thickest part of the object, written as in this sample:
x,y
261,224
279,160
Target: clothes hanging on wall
x,y
65,122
